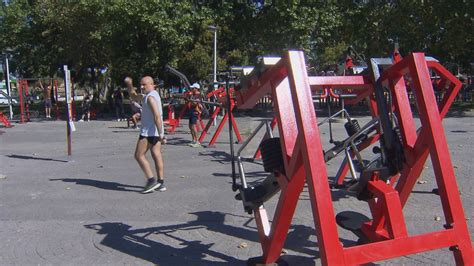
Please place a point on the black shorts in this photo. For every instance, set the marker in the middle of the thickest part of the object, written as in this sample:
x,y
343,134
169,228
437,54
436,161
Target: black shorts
x,y
86,109
193,118
135,110
152,139
47,103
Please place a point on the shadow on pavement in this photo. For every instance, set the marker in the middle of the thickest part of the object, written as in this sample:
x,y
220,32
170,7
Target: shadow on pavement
x,y
177,141
101,184
257,174
137,242
125,131
218,156
124,127
26,157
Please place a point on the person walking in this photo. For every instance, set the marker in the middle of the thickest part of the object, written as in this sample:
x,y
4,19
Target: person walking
x,y
152,136
118,101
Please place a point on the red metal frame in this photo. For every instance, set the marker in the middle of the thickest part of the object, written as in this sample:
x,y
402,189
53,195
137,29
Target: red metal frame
x,y
27,105
4,120
173,123
171,120
221,96
447,82
304,164
325,84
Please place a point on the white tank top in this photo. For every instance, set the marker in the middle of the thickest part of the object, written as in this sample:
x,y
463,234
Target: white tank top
x,y
148,127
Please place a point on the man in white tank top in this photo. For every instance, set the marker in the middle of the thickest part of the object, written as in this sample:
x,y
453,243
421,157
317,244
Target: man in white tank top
x,y
151,137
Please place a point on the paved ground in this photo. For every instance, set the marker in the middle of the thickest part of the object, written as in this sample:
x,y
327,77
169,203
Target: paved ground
x,y
86,209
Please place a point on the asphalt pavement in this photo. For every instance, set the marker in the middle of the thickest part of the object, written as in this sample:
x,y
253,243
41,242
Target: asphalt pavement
x,y
87,209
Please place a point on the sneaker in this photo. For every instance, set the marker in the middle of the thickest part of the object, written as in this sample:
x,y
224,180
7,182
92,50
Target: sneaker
x,y
162,187
196,145
151,185
82,120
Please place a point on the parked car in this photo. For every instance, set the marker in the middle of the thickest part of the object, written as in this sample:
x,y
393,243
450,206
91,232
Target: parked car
x,y
3,96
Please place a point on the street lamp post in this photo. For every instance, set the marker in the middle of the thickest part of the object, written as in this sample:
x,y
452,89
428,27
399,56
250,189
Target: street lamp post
x,y
214,28
7,83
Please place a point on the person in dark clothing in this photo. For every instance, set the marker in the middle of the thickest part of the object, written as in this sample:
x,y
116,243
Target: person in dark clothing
x,y
47,98
118,103
86,108
195,110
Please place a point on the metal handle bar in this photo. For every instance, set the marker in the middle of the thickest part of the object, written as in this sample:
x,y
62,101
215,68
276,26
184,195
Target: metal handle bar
x,y
350,141
244,145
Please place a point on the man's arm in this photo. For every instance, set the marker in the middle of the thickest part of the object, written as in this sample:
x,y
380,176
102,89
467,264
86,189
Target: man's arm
x,y
157,115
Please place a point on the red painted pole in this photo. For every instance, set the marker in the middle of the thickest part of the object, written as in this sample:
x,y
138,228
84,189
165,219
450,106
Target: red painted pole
x,y
22,102
218,131
208,125
27,104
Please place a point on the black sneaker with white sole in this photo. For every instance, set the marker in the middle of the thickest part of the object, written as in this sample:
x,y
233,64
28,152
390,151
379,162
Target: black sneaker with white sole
x,y
151,185
162,186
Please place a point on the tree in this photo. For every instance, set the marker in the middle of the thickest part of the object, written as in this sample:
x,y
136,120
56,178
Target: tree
x,y
137,38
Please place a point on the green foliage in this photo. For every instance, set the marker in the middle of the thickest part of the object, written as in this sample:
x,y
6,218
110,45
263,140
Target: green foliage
x,y
135,38
196,62
332,54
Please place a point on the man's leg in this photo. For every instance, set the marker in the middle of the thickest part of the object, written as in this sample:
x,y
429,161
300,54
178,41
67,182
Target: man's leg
x,y
158,158
142,147
122,116
134,119
117,111
140,151
191,129
195,133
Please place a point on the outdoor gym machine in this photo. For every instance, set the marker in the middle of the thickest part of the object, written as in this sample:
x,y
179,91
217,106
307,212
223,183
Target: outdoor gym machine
x,y
297,158
172,121
221,104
